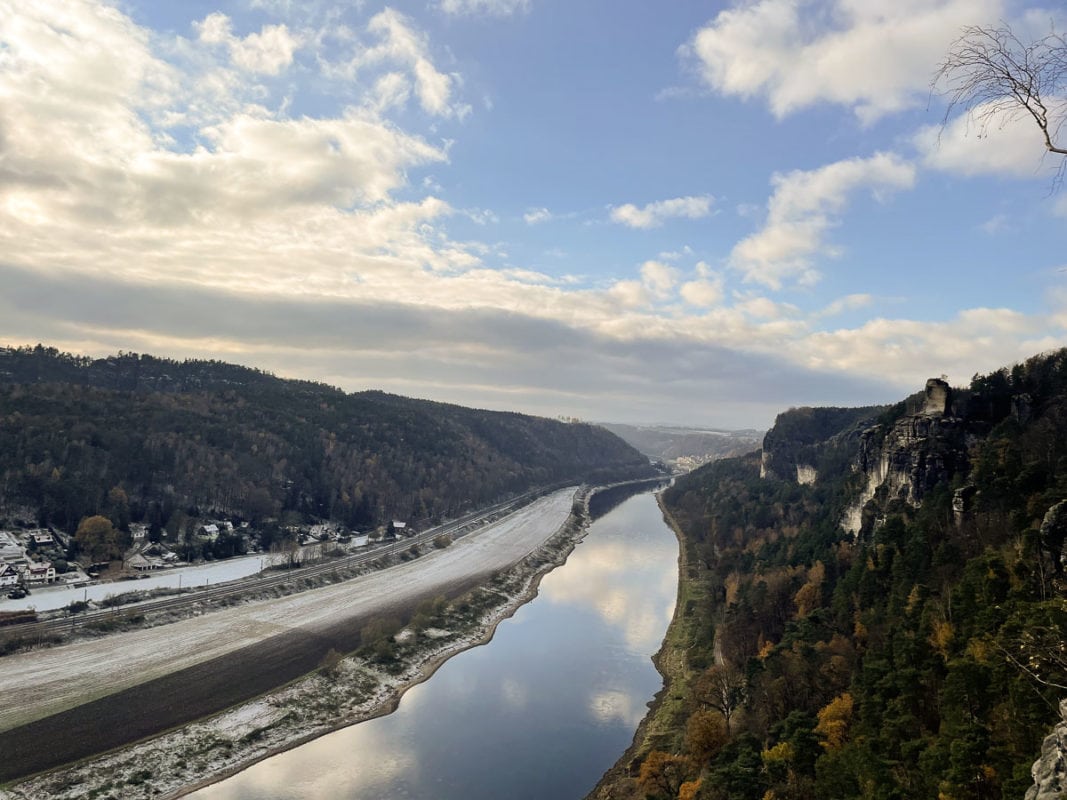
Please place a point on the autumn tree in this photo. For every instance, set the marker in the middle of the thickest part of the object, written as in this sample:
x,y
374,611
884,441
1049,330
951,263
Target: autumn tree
x,y
98,539
834,721
722,687
661,774
705,735
994,75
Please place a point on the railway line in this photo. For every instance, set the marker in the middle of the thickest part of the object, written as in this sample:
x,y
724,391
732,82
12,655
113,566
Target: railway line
x,y
196,598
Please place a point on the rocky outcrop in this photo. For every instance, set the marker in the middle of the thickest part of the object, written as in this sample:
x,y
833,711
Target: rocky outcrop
x,y
1054,533
794,447
904,461
1050,770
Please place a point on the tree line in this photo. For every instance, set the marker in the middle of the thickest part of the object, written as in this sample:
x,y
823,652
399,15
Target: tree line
x,y
203,438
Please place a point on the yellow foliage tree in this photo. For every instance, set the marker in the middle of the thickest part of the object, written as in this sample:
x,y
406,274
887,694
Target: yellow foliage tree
x,y
783,752
688,790
834,720
941,635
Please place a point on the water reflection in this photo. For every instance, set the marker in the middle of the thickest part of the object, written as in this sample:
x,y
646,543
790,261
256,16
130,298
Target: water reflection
x,y
540,712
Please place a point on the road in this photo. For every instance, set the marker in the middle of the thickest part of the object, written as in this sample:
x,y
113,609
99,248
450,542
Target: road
x,y
235,586
69,702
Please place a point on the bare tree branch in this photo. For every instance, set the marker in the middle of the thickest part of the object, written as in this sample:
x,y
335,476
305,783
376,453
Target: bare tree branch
x,y
990,73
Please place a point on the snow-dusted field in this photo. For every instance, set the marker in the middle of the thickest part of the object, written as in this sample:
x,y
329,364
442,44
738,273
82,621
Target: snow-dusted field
x,y
48,598
40,683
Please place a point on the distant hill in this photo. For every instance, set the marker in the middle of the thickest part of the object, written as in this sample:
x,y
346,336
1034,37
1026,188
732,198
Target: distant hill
x,y
205,436
686,448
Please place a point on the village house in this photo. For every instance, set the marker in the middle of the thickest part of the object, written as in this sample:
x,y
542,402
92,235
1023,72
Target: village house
x,y
138,532
38,572
9,576
41,537
142,563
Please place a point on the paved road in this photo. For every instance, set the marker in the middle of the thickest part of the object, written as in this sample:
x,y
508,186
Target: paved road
x,y
70,702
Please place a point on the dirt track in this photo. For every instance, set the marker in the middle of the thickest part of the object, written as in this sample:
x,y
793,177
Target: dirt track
x,y
70,702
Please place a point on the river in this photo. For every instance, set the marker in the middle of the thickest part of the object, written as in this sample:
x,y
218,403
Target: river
x,y
540,712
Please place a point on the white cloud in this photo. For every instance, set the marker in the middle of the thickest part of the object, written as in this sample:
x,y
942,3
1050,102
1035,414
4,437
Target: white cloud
x,y
267,52
655,214
398,43
704,292
659,278
481,216
674,255
847,303
535,216
804,207
976,340
998,223
1005,144
630,294
765,308
491,8
874,56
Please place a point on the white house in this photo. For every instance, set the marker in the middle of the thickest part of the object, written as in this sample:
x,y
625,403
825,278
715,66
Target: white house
x,y
40,572
9,576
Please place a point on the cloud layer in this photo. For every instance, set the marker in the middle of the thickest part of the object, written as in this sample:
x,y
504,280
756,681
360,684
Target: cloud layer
x,y
161,192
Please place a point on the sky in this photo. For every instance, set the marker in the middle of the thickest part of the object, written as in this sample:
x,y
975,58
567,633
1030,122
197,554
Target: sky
x,y
692,213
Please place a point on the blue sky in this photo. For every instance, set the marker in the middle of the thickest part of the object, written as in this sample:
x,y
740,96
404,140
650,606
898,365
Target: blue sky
x,y
697,213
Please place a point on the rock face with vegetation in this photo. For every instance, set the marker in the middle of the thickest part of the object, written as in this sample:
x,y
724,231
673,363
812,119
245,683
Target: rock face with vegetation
x,y
165,439
1050,771
922,656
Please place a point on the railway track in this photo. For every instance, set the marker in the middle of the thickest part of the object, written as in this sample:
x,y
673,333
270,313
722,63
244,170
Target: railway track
x,y
195,598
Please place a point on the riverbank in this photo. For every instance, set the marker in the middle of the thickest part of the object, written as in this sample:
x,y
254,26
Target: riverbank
x,y
345,690
665,717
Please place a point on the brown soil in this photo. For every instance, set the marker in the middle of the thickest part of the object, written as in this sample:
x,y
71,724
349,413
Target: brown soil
x,y
182,697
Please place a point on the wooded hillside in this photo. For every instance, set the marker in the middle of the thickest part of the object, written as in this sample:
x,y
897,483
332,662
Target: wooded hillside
x,y
207,437
923,659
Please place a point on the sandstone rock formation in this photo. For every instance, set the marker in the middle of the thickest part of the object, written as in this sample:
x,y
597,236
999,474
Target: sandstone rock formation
x,y
1050,770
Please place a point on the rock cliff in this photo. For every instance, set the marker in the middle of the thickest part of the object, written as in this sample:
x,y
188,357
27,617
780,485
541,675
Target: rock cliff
x,y
904,460
895,454
1050,770
801,438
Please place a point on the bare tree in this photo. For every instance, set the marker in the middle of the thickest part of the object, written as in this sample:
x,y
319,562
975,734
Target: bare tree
x,y
722,687
992,74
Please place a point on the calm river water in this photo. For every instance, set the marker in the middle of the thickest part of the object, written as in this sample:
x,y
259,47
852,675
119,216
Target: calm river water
x,y
540,712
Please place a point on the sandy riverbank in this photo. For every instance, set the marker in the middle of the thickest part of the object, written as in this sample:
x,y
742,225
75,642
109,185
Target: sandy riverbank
x,y
357,688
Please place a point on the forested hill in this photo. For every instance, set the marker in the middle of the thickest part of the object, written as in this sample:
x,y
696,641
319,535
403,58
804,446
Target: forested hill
x,y
219,438
886,618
